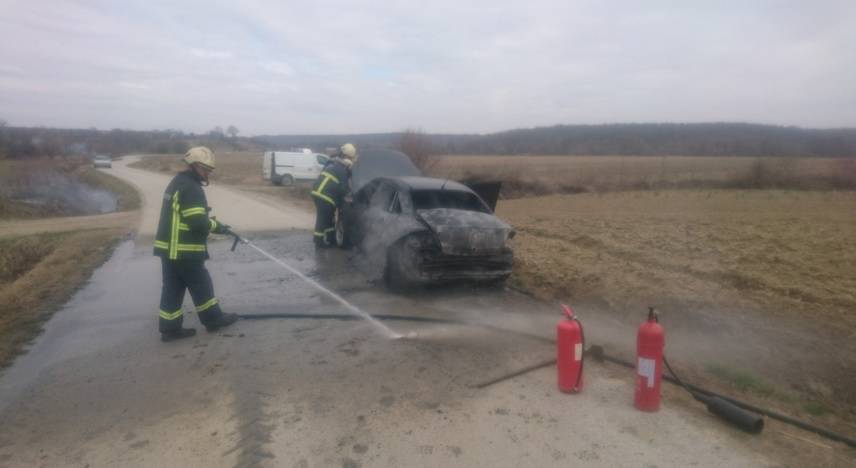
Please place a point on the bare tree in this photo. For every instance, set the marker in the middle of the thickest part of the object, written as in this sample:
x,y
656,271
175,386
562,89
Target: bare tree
x,y
216,132
417,144
232,131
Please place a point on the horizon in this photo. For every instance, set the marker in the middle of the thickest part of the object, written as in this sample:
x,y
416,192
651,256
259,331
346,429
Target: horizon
x,y
394,132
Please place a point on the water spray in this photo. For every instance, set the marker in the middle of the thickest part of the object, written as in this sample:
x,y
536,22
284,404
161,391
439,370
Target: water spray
x,y
386,331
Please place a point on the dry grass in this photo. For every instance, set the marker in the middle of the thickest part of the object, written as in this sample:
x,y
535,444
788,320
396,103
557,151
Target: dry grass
x,y
780,250
243,168
542,175
39,273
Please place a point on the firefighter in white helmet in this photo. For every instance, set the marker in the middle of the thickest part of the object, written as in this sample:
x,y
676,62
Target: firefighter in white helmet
x,y
328,193
181,243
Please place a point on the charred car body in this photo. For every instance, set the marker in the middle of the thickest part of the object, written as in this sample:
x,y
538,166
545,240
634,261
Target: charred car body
x,y
427,230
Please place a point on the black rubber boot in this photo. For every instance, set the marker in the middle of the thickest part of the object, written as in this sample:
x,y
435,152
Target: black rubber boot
x,y
178,334
225,320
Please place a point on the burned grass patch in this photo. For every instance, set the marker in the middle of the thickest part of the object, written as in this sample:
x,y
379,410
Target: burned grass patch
x,y
51,188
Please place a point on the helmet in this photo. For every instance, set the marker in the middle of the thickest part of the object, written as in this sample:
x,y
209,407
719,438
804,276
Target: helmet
x,y
200,155
348,152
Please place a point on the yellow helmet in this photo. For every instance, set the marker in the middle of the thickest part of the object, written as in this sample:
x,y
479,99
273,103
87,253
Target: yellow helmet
x,y
349,152
200,155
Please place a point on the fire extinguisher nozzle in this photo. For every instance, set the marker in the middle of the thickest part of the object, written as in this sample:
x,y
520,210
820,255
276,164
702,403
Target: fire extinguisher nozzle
x,y
745,420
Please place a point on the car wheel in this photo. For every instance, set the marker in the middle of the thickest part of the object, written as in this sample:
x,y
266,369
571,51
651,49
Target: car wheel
x,y
343,237
286,179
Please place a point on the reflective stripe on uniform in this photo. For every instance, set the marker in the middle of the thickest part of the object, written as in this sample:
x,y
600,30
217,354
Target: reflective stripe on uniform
x,y
212,225
319,234
191,247
328,176
207,305
173,238
183,227
319,192
180,247
170,315
323,197
196,210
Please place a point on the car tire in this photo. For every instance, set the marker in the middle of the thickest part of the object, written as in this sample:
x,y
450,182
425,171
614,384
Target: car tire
x,y
286,180
343,237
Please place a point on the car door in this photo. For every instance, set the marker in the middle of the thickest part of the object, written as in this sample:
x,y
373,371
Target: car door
x,y
380,218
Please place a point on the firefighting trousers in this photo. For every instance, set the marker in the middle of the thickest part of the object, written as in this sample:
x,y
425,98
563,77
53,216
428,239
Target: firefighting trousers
x,y
180,276
325,223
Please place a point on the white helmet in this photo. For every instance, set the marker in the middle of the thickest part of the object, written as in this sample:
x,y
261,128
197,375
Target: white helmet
x,y
348,152
200,155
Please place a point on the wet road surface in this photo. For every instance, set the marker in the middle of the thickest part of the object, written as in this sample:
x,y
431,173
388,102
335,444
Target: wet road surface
x,y
99,389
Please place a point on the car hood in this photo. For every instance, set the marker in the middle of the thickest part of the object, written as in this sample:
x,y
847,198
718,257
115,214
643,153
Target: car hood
x,y
462,232
379,162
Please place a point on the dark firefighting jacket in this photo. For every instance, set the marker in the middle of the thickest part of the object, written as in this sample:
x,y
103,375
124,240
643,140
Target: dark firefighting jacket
x,y
184,223
332,184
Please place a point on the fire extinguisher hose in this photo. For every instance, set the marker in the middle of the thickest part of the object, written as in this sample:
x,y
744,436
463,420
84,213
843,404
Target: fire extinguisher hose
x,y
582,358
599,354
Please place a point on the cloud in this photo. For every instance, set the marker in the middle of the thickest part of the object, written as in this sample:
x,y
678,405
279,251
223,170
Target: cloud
x,y
325,67
280,68
211,54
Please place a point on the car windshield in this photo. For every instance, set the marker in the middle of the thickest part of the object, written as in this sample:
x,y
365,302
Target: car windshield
x,y
430,199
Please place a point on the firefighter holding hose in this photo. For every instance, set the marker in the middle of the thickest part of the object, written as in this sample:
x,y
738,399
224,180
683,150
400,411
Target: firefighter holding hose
x,y
328,193
182,244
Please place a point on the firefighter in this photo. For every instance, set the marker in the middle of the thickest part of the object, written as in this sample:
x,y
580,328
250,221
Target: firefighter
x,y
182,244
329,191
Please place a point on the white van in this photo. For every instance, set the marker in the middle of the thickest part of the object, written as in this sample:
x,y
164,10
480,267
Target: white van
x,y
285,167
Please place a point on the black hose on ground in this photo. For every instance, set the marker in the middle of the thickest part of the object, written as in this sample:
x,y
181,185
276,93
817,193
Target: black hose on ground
x,y
402,318
745,420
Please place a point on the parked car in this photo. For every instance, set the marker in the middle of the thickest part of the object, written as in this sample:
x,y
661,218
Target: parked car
x,y
428,230
286,167
102,160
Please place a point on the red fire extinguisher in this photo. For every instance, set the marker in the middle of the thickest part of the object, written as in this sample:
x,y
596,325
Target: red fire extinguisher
x,y
649,363
569,352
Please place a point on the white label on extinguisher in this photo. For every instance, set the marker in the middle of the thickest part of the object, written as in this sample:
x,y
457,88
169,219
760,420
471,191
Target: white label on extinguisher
x,y
578,352
646,369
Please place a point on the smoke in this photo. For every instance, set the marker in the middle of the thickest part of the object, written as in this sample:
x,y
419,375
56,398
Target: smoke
x,y
61,193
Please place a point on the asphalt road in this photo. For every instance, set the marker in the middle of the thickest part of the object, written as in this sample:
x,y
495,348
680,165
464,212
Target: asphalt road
x,y
98,388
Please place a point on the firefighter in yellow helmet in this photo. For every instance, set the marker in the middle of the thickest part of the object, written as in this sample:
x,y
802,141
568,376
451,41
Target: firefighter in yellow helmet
x,y
329,191
181,243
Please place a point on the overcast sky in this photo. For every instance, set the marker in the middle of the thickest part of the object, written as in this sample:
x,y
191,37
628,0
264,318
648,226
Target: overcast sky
x,y
442,66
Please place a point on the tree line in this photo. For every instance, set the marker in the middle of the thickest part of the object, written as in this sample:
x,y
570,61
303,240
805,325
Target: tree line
x,y
705,139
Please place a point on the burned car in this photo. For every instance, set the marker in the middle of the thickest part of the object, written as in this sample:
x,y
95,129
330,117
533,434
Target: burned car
x,y
426,230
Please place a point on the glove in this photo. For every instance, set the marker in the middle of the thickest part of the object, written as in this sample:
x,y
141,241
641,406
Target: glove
x,y
219,228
